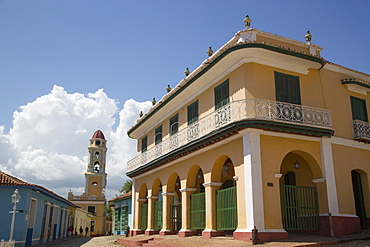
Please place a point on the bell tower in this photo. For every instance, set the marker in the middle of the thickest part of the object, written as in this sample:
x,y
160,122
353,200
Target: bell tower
x,y
95,176
93,199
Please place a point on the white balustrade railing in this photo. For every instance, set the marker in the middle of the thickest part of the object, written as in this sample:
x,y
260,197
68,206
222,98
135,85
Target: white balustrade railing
x,y
233,112
361,129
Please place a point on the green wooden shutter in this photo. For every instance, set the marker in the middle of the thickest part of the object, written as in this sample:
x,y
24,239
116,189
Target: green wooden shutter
x,y
222,94
158,135
193,112
287,88
144,144
359,111
174,124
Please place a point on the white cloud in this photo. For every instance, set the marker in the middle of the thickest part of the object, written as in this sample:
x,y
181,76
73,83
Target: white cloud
x,y
47,144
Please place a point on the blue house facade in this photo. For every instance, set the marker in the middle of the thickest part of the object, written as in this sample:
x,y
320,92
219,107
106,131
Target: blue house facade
x,y
122,213
42,215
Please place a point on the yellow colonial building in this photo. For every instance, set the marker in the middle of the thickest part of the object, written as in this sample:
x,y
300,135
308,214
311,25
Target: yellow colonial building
x,y
93,199
264,134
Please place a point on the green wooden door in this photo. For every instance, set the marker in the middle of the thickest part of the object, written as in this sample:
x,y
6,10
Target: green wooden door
x,y
144,217
299,207
117,220
158,213
359,198
198,211
124,218
226,207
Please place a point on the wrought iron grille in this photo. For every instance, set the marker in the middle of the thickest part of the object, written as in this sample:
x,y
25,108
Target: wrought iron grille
x,y
176,216
158,212
227,218
198,211
236,111
299,206
361,129
144,217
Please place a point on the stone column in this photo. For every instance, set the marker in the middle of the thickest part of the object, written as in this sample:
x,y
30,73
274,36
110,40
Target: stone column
x,y
137,228
211,224
150,230
331,186
166,222
185,213
253,189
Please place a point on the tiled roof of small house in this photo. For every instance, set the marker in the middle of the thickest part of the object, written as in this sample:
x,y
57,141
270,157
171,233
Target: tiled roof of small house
x,y
8,180
128,194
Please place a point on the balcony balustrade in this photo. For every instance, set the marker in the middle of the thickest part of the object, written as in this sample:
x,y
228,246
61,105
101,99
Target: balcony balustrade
x,y
249,109
361,130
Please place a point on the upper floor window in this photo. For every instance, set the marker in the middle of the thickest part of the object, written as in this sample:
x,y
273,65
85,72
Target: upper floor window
x,y
287,88
193,112
222,94
144,144
359,111
91,209
158,135
174,124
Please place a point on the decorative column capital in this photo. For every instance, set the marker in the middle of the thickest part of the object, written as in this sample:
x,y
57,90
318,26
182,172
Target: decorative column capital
x,y
212,184
141,200
188,189
168,194
152,197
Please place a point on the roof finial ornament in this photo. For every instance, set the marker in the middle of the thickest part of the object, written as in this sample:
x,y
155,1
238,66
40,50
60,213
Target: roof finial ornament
x,y
308,37
187,72
154,101
247,21
210,52
168,88
141,113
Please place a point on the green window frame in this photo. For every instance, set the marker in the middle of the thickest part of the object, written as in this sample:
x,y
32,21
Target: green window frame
x,y
287,88
158,135
193,112
359,111
174,124
144,144
222,94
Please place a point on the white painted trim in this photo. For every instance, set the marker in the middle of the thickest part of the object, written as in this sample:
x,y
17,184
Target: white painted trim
x,y
318,180
340,215
329,174
212,184
278,175
152,197
188,189
236,178
346,71
168,194
350,143
200,151
357,89
291,136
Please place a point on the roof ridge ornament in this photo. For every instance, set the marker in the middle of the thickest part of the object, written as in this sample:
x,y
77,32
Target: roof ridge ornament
x,y
308,37
247,21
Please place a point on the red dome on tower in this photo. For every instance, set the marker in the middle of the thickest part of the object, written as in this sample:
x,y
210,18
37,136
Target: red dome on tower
x,y
98,135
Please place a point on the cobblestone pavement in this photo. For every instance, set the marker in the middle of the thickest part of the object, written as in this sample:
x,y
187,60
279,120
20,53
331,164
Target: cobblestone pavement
x,y
104,241
354,240
358,243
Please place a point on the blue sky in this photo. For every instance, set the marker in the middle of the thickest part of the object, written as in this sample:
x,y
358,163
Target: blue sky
x,y
133,50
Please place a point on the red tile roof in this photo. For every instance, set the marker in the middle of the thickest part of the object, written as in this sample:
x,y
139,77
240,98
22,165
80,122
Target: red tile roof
x,y
98,135
8,180
128,194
